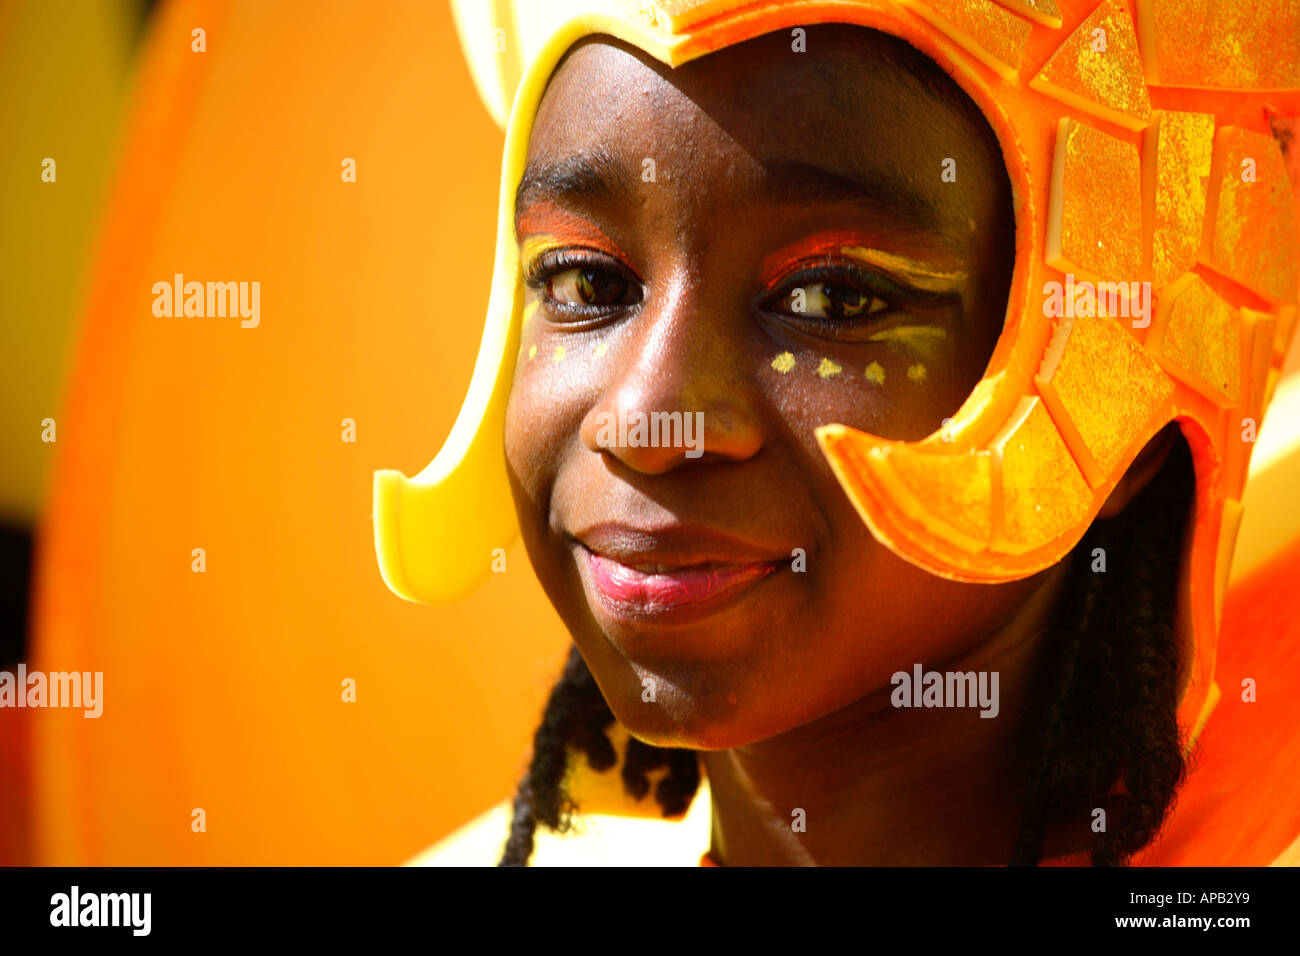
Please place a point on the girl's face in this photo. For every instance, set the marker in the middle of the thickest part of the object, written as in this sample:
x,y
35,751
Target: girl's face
x,y
766,238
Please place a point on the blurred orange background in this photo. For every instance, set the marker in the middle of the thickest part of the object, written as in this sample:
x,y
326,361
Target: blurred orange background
x,y
223,690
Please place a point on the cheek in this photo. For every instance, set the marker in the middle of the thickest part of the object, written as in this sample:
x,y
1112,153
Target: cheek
x,y
897,390
861,606
525,440
549,395
536,436
866,614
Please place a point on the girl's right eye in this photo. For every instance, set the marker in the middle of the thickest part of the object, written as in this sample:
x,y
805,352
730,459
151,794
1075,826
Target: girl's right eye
x,y
577,285
587,286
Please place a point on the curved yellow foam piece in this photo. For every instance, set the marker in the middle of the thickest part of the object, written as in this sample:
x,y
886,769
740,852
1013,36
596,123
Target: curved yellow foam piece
x,y
435,534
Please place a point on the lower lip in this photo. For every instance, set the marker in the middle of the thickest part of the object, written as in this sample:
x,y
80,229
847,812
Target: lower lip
x,y
643,594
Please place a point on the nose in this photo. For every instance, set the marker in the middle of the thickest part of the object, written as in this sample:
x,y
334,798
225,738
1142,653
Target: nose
x,y
678,390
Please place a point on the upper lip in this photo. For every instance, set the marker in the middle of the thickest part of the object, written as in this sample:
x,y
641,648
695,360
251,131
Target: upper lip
x,y
676,545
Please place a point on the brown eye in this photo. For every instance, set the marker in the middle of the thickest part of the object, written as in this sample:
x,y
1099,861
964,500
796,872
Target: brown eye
x,y
830,300
587,287
845,302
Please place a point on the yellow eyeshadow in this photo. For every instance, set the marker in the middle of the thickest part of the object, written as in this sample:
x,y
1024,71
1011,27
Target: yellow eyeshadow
x,y
916,372
924,277
558,354
783,362
535,246
601,349
827,368
875,374
532,352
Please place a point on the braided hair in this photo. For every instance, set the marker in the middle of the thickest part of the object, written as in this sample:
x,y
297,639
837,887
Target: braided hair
x,y
1105,730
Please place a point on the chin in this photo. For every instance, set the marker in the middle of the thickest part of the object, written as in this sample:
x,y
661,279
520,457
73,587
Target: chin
x,y
699,711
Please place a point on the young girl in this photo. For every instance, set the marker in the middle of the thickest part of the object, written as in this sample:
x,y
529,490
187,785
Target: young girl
x,y
936,580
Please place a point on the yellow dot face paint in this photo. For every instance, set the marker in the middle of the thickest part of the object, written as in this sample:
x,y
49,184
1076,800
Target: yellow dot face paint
x,y
827,368
916,373
532,352
783,362
558,354
875,374
601,349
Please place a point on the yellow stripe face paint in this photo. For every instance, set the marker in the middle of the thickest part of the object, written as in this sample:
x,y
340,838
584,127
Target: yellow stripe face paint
x,y
922,340
911,271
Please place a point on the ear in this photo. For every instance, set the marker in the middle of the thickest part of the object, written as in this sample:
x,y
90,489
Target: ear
x,y
1144,468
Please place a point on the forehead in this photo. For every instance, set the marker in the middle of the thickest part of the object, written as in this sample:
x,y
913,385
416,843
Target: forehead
x,y
856,102
837,59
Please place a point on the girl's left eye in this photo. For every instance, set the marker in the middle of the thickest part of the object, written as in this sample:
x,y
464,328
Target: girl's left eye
x,y
831,300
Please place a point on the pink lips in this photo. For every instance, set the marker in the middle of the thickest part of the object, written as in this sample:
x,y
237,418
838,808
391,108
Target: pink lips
x,y
643,592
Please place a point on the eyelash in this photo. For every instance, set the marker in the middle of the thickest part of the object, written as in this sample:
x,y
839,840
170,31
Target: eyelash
x,y
542,269
832,272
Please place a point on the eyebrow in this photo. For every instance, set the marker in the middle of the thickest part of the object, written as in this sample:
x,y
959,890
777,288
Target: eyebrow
x,y
593,175
790,182
597,176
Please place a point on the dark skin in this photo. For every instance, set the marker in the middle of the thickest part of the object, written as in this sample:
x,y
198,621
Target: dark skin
x,y
678,294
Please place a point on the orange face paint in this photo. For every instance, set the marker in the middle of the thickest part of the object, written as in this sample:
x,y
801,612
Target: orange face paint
x,y
544,227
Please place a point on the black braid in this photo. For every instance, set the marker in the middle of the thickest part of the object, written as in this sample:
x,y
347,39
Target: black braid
x,y
1108,714
1112,677
674,791
1080,609
1150,750
576,716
